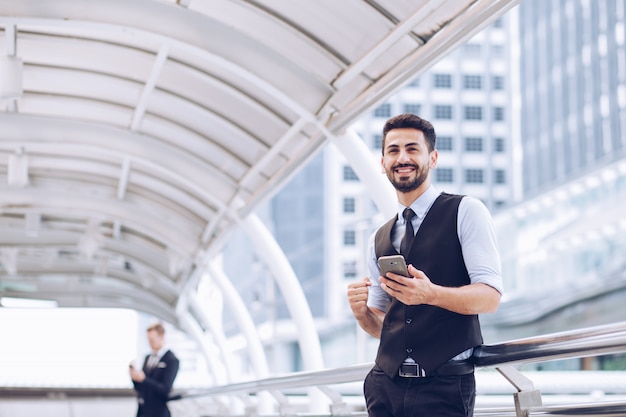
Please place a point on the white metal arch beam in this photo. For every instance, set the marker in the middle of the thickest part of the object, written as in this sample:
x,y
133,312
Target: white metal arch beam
x,y
112,144
189,41
256,353
368,169
84,295
84,207
224,371
451,35
191,326
269,250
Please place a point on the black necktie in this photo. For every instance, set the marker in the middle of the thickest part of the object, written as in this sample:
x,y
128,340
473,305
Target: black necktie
x,y
405,245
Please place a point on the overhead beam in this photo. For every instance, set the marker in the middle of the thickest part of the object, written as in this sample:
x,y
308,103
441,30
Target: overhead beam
x,y
387,42
462,28
140,108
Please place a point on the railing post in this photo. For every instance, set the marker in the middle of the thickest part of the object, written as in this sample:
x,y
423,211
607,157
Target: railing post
x,y
526,396
285,408
338,405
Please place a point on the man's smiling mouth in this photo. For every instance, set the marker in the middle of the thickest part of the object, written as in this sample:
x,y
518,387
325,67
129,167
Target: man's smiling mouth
x,y
406,169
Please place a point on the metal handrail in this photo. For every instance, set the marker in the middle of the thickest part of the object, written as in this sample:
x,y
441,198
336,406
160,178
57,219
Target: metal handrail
x,y
584,342
590,341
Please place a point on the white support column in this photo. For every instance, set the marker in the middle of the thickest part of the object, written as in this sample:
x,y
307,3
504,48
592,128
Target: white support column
x,y
191,327
268,249
256,353
369,170
225,356
276,261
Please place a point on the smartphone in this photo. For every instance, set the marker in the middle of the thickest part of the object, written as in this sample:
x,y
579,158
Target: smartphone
x,y
393,263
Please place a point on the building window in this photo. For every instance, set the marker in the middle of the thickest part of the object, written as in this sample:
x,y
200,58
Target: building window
x,y
473,113
349,205
472,50
474,176
349,174
474,144
443,112
349,238
498,145
442,80
498,114
472,82
384,110
444,143
349,269
444,175
378,141
497,82
497,51
415,82
499,176
498,23
412,108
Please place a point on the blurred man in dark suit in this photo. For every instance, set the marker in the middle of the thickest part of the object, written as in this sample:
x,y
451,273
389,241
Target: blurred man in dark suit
x,y
154,381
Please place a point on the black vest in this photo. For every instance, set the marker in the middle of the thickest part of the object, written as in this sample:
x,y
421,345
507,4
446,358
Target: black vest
x,y
430,335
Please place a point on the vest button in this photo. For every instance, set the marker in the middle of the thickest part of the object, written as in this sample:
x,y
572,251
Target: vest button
x,y
408,321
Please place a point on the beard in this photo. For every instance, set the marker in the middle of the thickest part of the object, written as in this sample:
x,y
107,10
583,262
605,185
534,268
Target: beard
x,y
404,184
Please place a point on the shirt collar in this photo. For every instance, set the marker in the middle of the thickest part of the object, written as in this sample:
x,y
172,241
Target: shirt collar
x,y
421,205
161,352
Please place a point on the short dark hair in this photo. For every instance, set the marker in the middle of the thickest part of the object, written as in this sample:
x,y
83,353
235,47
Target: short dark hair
x,y
411,121
157,327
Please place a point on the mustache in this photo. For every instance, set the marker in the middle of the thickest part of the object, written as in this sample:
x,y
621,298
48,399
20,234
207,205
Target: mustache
x,y
398,166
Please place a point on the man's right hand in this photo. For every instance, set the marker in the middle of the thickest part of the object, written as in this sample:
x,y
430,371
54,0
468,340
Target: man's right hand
x,y
370,319
136,375
357,297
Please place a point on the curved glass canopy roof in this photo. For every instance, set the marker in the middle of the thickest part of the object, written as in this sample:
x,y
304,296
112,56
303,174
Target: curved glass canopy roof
x,y
135,135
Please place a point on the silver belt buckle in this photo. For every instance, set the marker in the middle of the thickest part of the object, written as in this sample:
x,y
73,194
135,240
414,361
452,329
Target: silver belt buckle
x,y
411,370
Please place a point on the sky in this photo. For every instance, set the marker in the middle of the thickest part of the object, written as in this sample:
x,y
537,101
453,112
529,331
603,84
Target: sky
x,y
67,347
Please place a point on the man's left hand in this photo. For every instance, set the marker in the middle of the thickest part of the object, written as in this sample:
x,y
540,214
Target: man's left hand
x,y
410,291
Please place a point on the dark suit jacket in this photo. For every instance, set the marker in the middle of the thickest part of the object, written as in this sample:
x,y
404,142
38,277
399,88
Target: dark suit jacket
x,y
154,391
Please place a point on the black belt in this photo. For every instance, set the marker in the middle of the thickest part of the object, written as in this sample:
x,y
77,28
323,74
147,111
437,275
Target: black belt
x,y
451,368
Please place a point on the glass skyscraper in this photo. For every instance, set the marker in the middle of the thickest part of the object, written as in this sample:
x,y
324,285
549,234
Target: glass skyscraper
x,y
573,88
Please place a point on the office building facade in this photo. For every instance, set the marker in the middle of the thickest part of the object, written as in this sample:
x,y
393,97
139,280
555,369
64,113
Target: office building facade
x,y
573,89
467,97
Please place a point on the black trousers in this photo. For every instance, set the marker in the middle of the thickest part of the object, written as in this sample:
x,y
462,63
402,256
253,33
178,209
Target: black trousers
x,y
435,396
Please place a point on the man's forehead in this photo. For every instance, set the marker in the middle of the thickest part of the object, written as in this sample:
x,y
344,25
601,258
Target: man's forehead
x,y
408,132
414,138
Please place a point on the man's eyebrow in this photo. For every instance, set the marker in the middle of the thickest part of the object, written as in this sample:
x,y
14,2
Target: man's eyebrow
x,y
395,145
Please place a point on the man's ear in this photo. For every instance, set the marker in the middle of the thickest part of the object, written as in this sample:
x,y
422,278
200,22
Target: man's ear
x,y
434,156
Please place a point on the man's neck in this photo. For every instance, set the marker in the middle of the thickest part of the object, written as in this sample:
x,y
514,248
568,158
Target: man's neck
x,y
408,198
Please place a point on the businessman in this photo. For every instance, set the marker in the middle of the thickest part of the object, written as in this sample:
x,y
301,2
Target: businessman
x,y
427,321
154,381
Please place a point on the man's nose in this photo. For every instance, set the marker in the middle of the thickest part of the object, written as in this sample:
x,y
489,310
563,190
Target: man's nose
x,y
403,156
